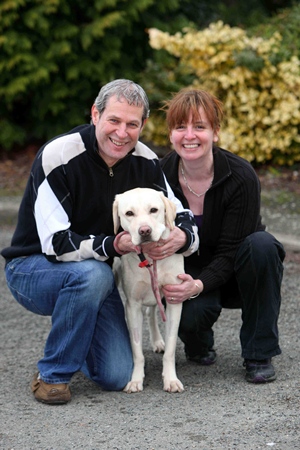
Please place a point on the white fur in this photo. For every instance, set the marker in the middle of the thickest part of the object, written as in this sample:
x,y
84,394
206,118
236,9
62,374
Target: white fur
x,y
148,216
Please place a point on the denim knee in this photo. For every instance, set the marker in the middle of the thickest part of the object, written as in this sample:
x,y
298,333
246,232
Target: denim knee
x,y
90,281
96,273
94,278
116,381
115,376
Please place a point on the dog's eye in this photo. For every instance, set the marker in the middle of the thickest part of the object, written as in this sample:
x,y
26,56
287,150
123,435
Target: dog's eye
x,y
153,210
129,213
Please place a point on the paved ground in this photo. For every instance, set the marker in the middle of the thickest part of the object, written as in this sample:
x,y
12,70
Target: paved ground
x,y
217,410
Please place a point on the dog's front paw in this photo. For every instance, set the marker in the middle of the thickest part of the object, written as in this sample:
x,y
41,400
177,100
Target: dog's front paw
x,y
133,386
173,385
158,346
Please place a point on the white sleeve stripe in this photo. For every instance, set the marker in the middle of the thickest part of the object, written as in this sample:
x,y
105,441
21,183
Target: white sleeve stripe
x,y
61,151
102,247
50,217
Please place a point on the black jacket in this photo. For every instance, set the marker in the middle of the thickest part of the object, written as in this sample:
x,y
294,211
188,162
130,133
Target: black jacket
x,y
231,213
66,210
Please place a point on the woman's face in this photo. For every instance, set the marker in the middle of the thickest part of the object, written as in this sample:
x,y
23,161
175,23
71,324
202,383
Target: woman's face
x,y
194,139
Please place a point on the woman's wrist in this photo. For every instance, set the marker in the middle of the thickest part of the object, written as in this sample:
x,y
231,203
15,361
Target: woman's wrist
x,y
199,287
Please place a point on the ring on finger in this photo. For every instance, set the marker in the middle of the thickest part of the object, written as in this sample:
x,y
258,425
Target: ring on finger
x,y
172,299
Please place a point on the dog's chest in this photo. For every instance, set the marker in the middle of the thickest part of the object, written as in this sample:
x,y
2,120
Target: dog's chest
x,y
139,282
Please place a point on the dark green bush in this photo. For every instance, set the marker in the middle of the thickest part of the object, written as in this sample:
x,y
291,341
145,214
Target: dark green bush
x,y
56,54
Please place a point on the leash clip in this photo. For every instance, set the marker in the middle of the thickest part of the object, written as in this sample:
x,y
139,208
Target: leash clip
x,y
144,262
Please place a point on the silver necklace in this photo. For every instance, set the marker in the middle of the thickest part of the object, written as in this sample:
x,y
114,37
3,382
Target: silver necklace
x,y
189,187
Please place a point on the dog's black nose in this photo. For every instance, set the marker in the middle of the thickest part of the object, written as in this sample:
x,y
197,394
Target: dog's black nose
x,y
145,231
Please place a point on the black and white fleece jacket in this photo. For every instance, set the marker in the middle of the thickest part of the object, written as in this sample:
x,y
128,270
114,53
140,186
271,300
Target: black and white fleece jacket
x,y
66,210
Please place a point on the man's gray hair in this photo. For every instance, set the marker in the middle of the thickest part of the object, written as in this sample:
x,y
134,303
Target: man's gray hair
x,y
133,93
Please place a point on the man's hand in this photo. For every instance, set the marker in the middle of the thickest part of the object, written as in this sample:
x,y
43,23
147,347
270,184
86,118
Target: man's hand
x,y
123,243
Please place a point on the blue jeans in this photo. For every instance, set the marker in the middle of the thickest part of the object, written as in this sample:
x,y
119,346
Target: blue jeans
x,y
255,288
89,331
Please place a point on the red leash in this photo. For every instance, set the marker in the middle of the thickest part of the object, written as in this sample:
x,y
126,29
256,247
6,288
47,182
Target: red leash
x,y
153,273
154,281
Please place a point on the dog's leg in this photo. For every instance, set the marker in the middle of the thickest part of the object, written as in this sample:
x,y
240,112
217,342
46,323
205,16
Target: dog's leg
x,y
156,338
134,315
170,380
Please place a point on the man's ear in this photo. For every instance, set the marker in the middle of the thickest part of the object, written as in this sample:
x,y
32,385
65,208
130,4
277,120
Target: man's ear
x,y
143,124
94,114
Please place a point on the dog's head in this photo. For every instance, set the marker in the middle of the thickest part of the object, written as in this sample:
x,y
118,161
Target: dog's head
x,y
145,213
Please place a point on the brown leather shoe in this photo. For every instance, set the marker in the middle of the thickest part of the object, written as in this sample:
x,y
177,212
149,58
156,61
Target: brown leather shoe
x,y
53,394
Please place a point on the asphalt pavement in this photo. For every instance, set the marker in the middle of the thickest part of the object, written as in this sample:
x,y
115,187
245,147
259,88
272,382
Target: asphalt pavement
x,y
217,410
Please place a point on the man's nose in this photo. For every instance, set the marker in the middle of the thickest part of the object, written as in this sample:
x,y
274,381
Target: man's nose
x,y
122,130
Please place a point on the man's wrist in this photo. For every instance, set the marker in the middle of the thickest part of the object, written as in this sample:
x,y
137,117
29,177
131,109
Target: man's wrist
x,y
117,242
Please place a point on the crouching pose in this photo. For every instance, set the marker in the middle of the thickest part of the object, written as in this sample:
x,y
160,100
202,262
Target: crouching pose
x,y
238,264
59,260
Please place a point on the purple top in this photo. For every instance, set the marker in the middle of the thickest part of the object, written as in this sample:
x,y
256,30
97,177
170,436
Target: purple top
x,y
198,220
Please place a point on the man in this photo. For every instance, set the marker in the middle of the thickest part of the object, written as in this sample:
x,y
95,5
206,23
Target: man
x,y
59,261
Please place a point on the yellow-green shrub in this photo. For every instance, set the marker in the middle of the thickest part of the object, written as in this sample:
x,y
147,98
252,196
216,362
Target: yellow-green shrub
x,y
260,92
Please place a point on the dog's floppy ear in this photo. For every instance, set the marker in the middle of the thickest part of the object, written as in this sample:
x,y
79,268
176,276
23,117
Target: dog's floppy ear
x,y
116,217
170,212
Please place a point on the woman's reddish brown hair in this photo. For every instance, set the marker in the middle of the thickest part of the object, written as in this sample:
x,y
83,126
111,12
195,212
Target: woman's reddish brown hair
x,y
187,101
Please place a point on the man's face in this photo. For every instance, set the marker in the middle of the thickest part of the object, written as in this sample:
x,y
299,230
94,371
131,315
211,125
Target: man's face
x,y
117,129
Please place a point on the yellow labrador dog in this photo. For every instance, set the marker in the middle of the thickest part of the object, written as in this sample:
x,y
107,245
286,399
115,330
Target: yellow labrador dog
x,y
148,216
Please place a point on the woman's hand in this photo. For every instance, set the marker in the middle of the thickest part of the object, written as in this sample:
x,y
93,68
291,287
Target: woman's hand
x,y
166,247
178,293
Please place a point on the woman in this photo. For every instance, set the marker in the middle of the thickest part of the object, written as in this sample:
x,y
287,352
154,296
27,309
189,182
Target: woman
x,y
238,263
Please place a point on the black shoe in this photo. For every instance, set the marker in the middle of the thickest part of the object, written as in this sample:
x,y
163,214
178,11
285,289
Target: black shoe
x,y
204,360
259,371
